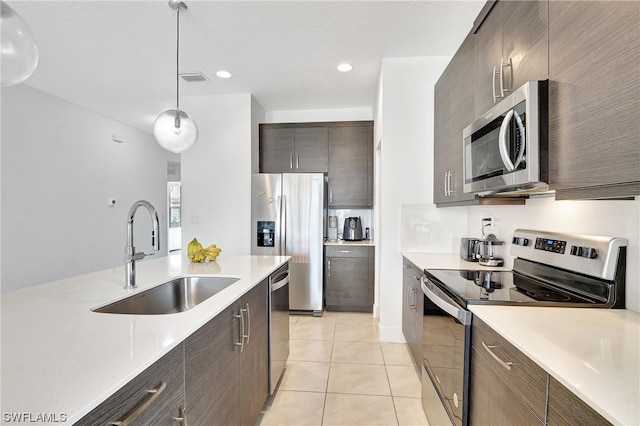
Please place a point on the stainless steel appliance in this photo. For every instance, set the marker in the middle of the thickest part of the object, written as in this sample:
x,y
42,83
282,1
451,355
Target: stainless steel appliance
x,y
467,249
550,269
505,150
488,251
352,229
278,325
288,214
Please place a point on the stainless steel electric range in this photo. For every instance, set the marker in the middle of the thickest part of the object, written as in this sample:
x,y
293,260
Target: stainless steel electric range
x,y
550,269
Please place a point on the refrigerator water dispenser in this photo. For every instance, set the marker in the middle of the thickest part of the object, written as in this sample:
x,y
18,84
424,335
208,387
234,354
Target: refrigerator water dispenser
x,y
266,233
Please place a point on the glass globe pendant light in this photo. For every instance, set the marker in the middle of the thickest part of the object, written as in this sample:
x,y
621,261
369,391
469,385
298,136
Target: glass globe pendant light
x,y
175,130
19,50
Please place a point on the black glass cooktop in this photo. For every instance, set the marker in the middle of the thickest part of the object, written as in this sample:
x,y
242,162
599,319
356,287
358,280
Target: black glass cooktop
x,y
502,287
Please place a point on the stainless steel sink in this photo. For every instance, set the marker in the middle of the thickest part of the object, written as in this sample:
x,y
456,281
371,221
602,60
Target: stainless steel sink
x,y
177,295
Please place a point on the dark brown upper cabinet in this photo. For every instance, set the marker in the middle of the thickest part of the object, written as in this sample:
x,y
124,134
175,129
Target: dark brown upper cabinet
x,y
511,48
594,93
293,148
351,164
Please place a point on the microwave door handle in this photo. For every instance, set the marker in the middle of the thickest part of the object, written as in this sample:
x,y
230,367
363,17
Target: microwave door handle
x,y
502,141
523,141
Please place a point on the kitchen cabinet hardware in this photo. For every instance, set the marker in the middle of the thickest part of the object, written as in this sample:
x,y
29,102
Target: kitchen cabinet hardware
x,y
248,312
240,317
144,405
182,417
505,364
499,72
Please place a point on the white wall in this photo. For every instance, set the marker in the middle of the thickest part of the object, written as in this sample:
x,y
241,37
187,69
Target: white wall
x,y
405,173
609,218
59,167
216,173
257,116
315,115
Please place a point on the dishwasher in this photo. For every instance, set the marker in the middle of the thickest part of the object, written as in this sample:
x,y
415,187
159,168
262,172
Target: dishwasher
x,y
278,324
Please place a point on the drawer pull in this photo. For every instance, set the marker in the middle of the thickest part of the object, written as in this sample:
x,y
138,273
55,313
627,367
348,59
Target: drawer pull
x,y
155,393
506,365
345,251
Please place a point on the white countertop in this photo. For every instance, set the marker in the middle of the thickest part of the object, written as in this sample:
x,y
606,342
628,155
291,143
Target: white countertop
x,y
348,243
59,357
446,261
595,353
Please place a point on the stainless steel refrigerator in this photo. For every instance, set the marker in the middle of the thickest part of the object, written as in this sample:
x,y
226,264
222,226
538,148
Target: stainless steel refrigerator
x,y
287,214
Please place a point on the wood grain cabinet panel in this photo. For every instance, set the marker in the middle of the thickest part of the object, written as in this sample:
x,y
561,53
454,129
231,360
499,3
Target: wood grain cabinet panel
x,y
566,409
594,92
165,376
454,110
212,371
493,401
226,384
514,37
254,363
412,311
276,149
293,148
349,278
524,376
351,164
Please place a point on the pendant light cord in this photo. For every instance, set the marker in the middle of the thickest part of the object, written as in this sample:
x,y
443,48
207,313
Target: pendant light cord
x,y
178,58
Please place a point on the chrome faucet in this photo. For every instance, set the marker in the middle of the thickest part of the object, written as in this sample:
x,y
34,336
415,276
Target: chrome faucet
x,y
130,255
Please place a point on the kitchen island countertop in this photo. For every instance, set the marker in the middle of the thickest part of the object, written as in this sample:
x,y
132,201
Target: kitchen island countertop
x,y
60,357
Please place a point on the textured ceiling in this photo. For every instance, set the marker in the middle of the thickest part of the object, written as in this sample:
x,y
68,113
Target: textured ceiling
x,y
118,57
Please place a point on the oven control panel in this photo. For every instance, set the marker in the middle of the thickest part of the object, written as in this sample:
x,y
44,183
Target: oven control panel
x,y
586,254
549,244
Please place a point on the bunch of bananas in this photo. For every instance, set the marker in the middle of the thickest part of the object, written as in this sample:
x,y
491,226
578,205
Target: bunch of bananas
x,y
211,252
197,253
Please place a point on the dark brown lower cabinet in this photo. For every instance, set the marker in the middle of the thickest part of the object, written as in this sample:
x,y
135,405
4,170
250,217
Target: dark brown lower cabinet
x,y
349,272
506,387
226,369
492,401
566,409
154,397
412,311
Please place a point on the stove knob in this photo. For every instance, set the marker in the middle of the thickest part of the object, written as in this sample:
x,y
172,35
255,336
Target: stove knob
x,y
574,250
589,253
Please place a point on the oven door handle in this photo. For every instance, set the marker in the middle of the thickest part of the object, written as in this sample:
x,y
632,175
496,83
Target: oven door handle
x,y
444,302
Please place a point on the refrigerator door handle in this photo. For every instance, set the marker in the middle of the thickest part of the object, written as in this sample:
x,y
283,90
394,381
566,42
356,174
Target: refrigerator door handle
x,y
282,249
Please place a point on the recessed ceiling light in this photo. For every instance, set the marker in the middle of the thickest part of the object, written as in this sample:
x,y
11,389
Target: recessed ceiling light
x,y
223,74
345,67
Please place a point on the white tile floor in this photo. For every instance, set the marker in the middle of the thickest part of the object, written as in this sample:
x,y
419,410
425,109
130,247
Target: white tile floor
x,y
339,373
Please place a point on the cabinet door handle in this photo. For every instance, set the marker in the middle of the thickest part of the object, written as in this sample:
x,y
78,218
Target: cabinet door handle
x,y
506,365
504,65
451,191
247,335
329,267
182,417
291,161
154,394
493,83
241,344
297,161
446,174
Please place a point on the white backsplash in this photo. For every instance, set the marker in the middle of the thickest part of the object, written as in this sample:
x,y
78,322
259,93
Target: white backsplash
x,y
428,229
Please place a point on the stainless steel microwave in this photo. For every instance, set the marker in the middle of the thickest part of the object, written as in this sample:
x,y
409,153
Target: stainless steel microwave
x,y
505,150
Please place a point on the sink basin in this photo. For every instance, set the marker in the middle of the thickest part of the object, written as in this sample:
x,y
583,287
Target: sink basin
x,y
177,295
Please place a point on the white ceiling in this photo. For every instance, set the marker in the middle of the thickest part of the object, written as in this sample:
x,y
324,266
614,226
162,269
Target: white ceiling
x,y
118,57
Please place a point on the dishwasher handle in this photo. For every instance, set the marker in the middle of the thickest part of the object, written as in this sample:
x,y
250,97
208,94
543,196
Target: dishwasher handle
x,y
276,282
444,302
